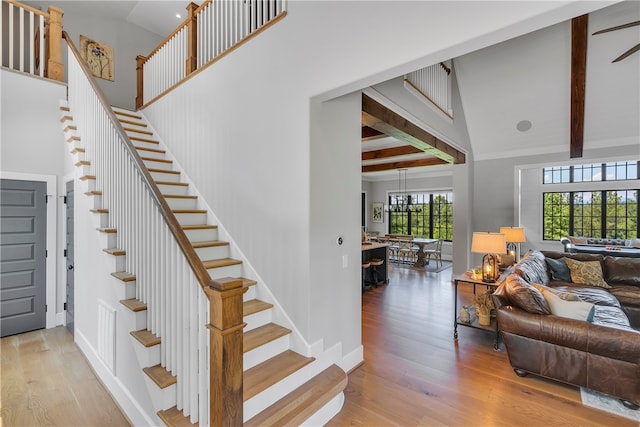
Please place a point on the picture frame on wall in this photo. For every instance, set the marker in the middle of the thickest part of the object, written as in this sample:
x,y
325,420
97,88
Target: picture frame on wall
x,y
377,212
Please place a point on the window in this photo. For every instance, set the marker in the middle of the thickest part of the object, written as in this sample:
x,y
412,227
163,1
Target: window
x,y
597,172
610,213
422,214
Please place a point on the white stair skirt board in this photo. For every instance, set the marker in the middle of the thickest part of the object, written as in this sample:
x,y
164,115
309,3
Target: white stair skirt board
x,y
324,414
608,404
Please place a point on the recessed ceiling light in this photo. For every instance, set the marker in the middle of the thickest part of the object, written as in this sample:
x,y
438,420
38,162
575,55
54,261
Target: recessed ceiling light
x,y
523,125
178,16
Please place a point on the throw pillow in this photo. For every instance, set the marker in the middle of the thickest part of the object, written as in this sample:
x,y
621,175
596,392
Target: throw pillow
x,y
533,268
567,296
578,310
559,269
634,243
578,240
587,273
525,296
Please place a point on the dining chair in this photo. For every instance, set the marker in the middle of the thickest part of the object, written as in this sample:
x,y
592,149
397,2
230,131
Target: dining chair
x,y
435,253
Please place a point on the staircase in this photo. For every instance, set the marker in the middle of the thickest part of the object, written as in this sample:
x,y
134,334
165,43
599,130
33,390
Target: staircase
x,y
280,386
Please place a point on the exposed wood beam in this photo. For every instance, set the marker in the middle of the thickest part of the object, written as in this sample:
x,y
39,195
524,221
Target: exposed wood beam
x,y
390,152
433,161
382,119
579,34
369,134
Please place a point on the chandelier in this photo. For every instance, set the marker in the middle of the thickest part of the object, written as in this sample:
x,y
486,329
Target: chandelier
x,y
401,201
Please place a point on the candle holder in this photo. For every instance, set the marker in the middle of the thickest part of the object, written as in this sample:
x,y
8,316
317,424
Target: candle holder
x,y
489,244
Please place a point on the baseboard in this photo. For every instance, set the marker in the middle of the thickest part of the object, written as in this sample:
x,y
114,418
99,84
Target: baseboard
x,y
127,403
352,360
61,319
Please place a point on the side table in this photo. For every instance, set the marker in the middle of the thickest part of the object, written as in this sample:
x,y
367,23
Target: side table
x,y
492,327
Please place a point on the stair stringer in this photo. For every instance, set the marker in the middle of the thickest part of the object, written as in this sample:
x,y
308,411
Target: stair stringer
x,y
323,357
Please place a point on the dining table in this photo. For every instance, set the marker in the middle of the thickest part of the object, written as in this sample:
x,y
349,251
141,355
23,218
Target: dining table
x,y
420,242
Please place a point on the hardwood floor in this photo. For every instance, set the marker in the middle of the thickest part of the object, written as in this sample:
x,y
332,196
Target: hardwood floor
x,y
415,374
47,381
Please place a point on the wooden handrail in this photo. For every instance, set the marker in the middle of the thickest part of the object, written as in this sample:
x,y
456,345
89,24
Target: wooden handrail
x,y
194,261
29,8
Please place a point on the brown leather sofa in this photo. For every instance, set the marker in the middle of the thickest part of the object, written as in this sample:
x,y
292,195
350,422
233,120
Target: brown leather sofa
x,y
602,354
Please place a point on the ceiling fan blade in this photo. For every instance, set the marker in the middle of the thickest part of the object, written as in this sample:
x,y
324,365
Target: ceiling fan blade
x,y
627,53
618,27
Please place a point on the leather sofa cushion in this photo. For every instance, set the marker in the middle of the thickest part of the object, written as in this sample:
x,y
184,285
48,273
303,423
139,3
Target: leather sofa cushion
x,y
628,295
622,271
524,296
577,257
533,268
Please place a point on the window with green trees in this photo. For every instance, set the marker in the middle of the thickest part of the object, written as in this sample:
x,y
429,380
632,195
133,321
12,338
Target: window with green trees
x,y
608,213
422,214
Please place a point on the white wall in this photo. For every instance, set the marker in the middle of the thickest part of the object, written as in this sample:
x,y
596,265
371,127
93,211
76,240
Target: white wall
x,y
32,142
241,129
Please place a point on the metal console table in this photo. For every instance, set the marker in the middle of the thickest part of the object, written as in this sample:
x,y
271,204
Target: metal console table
x,y
492,327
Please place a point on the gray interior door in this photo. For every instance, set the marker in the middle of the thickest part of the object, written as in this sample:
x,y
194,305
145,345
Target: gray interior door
x,y
23,230
70,256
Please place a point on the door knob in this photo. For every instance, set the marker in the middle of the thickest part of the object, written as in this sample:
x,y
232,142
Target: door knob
x,y
70,267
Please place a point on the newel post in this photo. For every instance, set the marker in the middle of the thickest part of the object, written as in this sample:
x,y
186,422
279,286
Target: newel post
x,y
192,39
54,68
140,60
225,352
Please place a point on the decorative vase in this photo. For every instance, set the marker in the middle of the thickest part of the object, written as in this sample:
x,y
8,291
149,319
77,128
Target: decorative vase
x,y
465,316
484,319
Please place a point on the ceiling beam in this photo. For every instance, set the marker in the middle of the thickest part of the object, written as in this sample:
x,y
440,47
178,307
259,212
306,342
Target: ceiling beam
x,y
369,134
390,152
382,119
579,34
432,161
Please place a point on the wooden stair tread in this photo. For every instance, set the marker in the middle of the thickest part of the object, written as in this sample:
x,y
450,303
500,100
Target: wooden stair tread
x,y
124,276
269,372
254,306
262,335
77,150
219,263
115,251
146,337
99,211
70,127
209,244
145,132
63,108
306,400
189,211
199,227
152,150
121,113
107,230
160,376
150,141
83,163
151,159
179,184
129,122
93,193
247,282
174,417
134,304
73,138
65,118
87,177
178,196
164,171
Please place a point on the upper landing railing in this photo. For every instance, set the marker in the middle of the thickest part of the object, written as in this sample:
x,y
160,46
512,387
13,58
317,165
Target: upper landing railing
x,y
211,30
31,40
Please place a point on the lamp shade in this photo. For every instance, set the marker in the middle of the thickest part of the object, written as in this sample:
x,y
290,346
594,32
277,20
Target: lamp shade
x,y
513,234
488,243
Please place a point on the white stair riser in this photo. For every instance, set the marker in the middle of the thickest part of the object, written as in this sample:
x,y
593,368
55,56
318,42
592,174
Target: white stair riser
x,y
69,132
78,156
115,263
75,144
163,398
147,356
202,235
107,240
257,319
191,218
96,203
264,352
134,320
157,164
165,176
136,124
179,203
124,290
145,144
145,153
176,190
230,271
84,170
250,294
101,220
213,252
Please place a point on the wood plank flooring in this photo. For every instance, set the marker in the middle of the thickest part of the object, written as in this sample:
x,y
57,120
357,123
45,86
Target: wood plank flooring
x,y
47,381
415,374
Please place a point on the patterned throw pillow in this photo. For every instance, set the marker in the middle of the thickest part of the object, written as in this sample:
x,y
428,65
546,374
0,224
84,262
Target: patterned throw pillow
x,y
587,273
567,296
578,240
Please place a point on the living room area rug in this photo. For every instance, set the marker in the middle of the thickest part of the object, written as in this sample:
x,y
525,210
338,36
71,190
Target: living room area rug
x,y
608,404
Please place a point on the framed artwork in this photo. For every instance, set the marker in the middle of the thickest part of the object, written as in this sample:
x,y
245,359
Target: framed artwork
x,y
377,212
98,56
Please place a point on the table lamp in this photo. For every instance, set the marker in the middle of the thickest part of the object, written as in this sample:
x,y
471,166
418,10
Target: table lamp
x,y
489,244
514,236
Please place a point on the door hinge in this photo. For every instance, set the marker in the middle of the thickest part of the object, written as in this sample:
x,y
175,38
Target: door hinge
x,y
64,306
64,199
46,254
64,253
46,308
